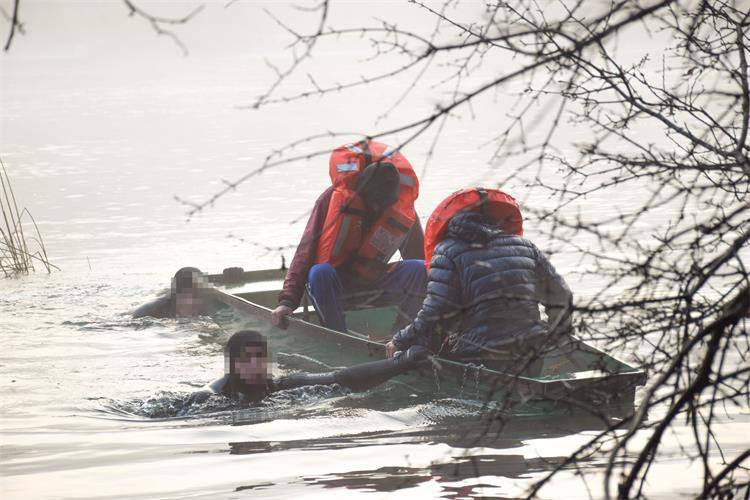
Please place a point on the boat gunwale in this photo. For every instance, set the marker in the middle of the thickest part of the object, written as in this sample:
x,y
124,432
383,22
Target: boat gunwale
x,y
245,302
631,377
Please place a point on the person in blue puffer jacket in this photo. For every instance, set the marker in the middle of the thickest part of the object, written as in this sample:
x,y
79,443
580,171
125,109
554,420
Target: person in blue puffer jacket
x,y
485,286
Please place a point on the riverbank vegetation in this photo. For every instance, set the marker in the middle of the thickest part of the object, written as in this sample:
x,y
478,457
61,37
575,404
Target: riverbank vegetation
x,y
19,249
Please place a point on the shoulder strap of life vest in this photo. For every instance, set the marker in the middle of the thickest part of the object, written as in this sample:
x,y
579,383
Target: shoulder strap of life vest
x,y
342,228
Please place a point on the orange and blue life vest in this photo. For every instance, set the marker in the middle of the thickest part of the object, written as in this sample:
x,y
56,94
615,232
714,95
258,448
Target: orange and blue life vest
x,y
500,208
345,239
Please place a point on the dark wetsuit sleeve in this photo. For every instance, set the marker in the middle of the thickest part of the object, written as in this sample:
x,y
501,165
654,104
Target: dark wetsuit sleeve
x,y
413,246
441,309
304,257
302,379
367,375
358,377
163,307
554,294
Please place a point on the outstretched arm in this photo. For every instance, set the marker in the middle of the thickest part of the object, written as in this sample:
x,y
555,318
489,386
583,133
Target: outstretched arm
x,y
359,377
441,309
368,375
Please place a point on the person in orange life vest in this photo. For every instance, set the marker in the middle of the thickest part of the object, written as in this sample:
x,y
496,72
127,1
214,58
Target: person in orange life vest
x,y
356,226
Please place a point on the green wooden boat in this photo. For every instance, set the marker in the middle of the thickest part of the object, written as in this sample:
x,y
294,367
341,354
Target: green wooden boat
x,y
573,376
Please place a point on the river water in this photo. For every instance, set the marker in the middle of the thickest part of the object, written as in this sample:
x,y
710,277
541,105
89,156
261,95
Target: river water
x,y
102,124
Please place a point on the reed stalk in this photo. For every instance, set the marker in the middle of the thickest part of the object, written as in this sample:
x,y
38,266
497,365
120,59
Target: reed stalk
x,y
15,257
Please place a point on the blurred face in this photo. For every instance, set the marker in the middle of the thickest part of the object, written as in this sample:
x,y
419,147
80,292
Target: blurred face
x,y
192,301
251,366
187,303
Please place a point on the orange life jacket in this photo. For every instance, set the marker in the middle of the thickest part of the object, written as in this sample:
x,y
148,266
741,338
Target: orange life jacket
x,y
343,241
501,208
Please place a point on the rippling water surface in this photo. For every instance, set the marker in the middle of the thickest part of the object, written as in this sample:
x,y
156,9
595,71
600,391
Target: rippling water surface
x,y
102,124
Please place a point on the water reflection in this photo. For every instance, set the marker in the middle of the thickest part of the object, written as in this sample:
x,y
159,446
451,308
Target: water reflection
x,y
477,466
447,474
465,432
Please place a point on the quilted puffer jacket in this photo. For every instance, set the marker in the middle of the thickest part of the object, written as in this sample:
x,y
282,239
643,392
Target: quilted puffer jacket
x,y
485,287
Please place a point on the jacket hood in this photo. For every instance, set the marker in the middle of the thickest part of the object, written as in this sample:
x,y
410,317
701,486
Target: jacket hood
x,y
472,227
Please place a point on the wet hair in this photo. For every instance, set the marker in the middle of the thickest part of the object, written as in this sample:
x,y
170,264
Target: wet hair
x,y
183,279
234,348
379,183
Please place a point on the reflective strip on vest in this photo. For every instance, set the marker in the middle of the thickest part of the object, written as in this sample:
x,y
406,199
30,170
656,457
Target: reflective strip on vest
x,y
406,180
354,149
341,237
347,167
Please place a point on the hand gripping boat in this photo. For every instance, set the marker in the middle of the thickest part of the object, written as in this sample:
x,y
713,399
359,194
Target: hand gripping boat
x,y
572,376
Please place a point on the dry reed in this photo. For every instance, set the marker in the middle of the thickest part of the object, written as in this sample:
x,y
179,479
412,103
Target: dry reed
x,y
15,256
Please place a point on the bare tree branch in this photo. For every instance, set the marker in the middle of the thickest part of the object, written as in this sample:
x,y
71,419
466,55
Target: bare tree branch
x,y
158,22
14,24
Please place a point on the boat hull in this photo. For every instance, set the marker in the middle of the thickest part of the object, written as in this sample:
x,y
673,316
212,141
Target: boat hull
x,y
574,376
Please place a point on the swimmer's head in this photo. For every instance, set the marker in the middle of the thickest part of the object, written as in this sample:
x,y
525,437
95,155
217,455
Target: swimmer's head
x,y
184,279
188,286
246,363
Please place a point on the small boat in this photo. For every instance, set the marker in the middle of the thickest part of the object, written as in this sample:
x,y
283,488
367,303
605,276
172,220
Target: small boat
x,y
572,376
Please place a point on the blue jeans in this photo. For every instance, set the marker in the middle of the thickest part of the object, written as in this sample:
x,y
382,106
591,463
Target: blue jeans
x,y
332,291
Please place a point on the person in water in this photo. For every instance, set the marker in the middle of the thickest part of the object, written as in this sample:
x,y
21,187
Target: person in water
x,y
189,296
486,283
247,375
355,227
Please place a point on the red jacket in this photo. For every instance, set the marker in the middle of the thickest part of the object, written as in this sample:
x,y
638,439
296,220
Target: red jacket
x,y
304,257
